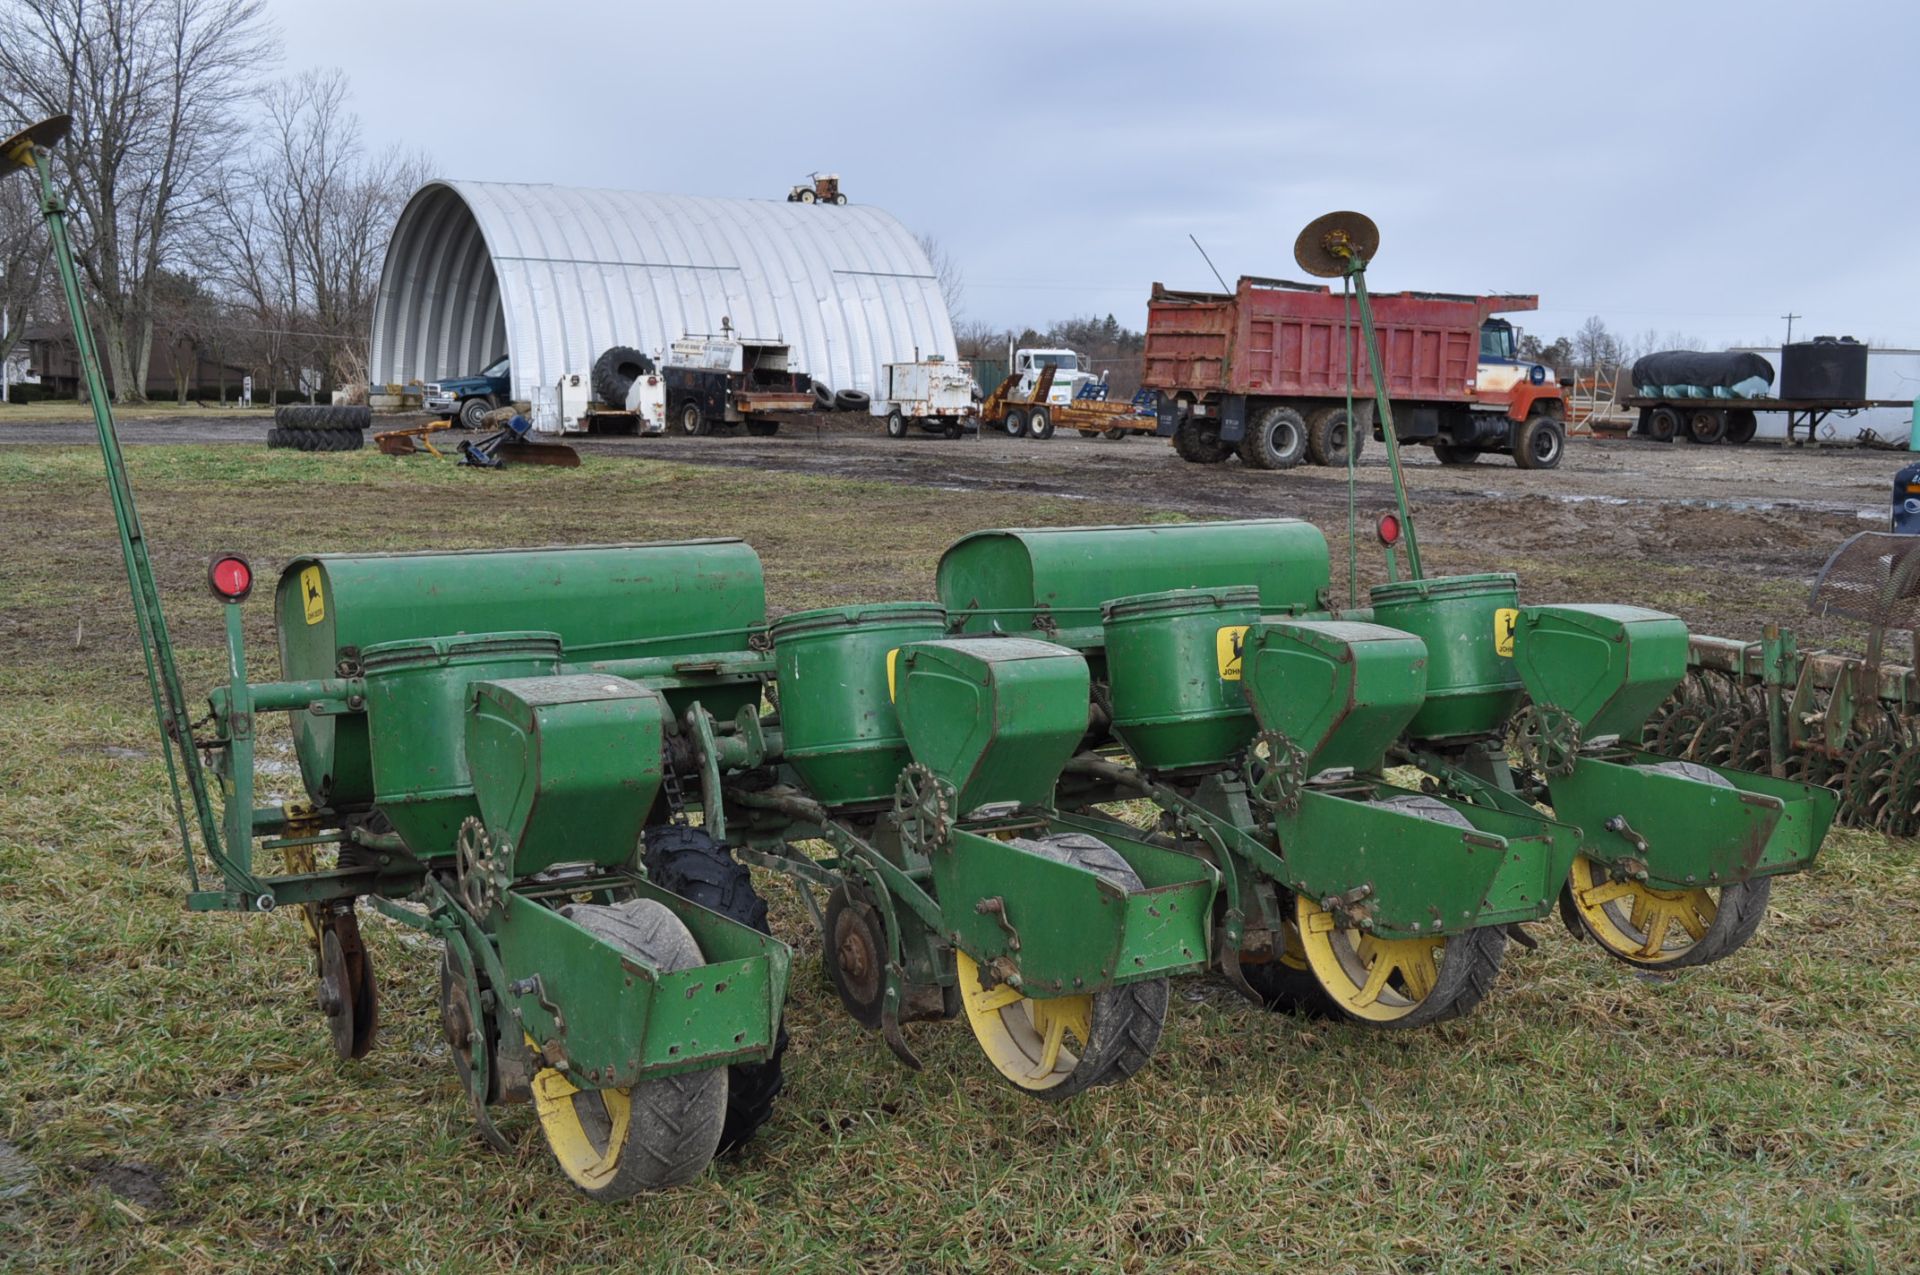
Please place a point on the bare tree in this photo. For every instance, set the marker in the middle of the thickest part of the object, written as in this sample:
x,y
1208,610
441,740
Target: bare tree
x,y
23,261
953,288
152,86
1595,347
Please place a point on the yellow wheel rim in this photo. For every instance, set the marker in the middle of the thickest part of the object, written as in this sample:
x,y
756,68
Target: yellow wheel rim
x,y
1645,925
585,1128
1025,1039
1378,980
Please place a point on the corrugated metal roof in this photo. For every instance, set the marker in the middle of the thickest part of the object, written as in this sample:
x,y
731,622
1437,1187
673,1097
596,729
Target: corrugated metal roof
x,y
553,275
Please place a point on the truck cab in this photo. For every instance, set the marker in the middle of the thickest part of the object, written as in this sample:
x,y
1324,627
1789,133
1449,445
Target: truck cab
x,y
1501,368
467,399
1067,376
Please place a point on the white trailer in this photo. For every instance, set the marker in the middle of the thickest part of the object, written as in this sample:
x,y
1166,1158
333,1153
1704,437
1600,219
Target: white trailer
x,y
644,412
933,393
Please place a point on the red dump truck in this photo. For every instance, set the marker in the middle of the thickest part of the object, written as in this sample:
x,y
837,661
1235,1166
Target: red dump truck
x,y
1259,373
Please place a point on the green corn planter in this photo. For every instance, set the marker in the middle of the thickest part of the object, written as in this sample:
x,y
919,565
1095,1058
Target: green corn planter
x,y
565,768
1174,666
1340,690
1607,666
606,602
1472,688
1014,581
995,717
837,721
418,692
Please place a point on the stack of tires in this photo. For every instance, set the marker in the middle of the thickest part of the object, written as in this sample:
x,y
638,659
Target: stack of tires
x,y
319,429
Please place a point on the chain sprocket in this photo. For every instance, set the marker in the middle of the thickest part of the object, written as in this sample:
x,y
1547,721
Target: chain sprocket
x,y
923,807
1547,738
1275,771
476,867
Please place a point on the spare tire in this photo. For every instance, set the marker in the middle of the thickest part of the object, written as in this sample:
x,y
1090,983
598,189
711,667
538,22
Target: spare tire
x,y
615,371
822,397
852,401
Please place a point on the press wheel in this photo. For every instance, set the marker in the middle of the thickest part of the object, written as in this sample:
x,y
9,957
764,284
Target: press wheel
x,y
1656,928
615,1142
1398,982
1060,1046
856,956
349,997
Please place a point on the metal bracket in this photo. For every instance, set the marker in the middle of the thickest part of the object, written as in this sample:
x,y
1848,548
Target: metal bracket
x,y
996,907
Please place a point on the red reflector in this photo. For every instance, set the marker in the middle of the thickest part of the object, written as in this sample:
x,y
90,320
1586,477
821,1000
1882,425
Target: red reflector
x,y
1389,529
230,578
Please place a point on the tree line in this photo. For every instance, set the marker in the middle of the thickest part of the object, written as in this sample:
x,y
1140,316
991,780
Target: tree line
x,y
240,215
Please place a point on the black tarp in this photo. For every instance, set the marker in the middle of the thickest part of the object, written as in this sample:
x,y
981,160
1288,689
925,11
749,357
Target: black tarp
x,y
1700,367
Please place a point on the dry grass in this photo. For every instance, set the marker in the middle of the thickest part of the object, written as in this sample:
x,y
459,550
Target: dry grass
x,y
166,1076
50,411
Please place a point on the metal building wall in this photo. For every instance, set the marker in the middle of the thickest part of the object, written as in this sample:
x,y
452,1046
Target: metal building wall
x,y
554,275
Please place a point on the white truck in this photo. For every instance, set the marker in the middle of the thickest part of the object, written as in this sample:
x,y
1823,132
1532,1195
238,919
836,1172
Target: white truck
x,y
1068,373
932,393
644,412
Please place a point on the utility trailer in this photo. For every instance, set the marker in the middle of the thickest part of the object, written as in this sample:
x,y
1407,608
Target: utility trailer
x,y
1735,420
727,379
1033,414
1264,372
932,393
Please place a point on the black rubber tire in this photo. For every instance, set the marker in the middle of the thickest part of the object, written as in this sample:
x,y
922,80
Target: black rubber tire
x,y
693,421
1015,422
1276,439
822,398
614,373
299,416
1742,425
1040,423
1127,1020
1288,989
953,429
275,438
896,424
1447,454
676,1122
1198,442
852,401
1328,435
762,429
838,201
473,412
1662,424
1706,425
1539,443
687,862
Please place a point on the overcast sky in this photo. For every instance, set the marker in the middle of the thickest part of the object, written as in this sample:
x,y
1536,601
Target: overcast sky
x,y
1683,167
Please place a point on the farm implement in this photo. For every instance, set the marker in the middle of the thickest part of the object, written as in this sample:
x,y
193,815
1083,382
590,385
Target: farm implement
x,y
1103,759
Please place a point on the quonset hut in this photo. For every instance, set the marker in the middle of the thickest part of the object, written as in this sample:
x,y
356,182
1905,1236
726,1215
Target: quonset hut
x,y
554,275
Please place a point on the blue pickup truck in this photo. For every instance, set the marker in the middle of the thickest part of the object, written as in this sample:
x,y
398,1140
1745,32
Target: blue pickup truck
x,y
466,399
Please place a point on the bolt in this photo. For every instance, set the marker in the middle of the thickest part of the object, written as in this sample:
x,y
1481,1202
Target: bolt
x,y
524,987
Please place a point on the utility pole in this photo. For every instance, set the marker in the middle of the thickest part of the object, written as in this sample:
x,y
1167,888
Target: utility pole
x,y
1790,318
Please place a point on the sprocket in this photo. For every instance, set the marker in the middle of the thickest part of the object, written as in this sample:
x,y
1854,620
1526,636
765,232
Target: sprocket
x,y
478,868
1548,739
923,807
1275,771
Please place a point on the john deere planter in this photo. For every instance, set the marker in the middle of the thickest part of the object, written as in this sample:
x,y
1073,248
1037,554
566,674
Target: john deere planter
x,y
562,762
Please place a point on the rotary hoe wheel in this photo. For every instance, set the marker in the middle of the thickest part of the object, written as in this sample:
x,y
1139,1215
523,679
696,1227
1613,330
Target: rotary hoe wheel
x,y
1654,928
616,1142
1057,1047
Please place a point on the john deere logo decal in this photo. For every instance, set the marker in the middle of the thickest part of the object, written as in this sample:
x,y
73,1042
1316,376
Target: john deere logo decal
x,y
310,598
1505,621
1228,644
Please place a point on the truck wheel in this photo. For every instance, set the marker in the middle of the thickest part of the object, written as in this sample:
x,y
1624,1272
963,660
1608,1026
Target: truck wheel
x,y
1742,425
1016,422
693,420
1539,443
1447,454
954,429
1198,443
1707,425
1328,434
1276,440
1118,434
473,412
1662,424
1040,423
896,424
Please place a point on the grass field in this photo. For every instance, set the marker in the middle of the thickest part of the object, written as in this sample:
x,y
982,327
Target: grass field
x,y
65,409
168,1102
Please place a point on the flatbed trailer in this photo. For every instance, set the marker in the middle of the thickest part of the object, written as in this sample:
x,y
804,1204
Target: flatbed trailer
x,y
1037,418
1735,420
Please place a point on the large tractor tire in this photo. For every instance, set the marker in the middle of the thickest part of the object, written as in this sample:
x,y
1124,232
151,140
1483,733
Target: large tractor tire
x,y
1539,443
1329,434
614,373
298,416
1275,439
686,861
1114,1032
616,1143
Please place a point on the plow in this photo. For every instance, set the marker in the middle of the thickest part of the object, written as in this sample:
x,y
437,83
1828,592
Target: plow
x,y
1096,760
1841,719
